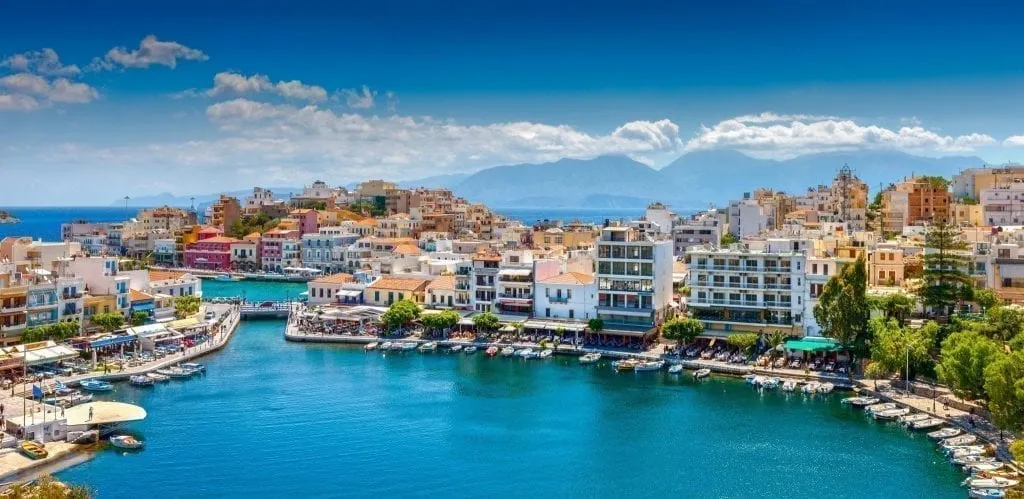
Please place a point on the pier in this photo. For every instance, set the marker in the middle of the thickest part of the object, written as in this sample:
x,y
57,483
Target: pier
x,y
265,310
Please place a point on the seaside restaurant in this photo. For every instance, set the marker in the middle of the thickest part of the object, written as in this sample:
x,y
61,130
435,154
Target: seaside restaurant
x,y
104,344
42,353
157,336
810,348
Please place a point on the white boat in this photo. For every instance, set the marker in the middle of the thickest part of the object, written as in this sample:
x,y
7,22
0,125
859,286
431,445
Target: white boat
x,y
508,351
224,277
770,383
590,358
547,352
927,424
880,407
811,387
371,346
650,365
701,373
408,346
983,467
469,350
141,380
970,450
860,401
455,349
531,354
125,442
996,482
826,387
789,386
971,459
960,441
944,433
429,346
387,345
159,378
193,368
523,352
891,413
179,373
987,493
910,418
164,372
751,378
675,369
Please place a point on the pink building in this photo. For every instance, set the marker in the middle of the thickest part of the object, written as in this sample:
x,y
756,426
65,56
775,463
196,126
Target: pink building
x,y
213,253
307,218
209,232
279,248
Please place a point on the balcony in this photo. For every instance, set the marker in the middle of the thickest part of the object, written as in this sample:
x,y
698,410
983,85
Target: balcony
x,y
558,299
509,296
13,307
42,304
624,310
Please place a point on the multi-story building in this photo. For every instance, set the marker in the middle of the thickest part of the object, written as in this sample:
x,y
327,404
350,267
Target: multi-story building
x,y
483,280
317,195
571,295
306,220
516,274
1003,204
335,288
165,252
102,276
174,284
164,218
213,253
326,250
245,254
1005,272
281,249
972,181
741,289
848,200
634,278
224,212
441,292
962,214
747,217
263,201
915,201
701,229
886,266
387,290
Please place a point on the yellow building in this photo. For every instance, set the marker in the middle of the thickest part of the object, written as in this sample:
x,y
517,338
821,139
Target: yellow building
x,y
99,304
13,312
388,290
966,215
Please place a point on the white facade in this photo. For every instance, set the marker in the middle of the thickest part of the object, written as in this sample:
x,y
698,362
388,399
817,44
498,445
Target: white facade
x,y
1003,205
102,277
660,215
566,296
746,218
634,278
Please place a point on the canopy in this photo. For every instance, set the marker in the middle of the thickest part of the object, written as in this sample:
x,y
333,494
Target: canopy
x,y
184,323
43,352
570,327
108,341
351,293
147,330
515,272
812,344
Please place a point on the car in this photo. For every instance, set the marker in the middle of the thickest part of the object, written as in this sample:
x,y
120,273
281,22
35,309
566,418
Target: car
x,y
210,314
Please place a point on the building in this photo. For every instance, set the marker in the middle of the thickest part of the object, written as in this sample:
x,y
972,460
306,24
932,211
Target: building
x,y
245,254
325,250
1005,272
387,290
963,214
747,217
223,213
886,265
701,229
742,289
318,195
306,220
442,292
969,183
483,280
571,295
213,253
165,252
263,201
102,276
1003,204
280,250
634,278
335,288
848,200
164,218
915,201
174,284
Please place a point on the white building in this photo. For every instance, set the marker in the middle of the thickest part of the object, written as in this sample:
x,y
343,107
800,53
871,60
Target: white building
x,y
174,284
634,278
1003,205
704,228
660,214
326,250
746,218
572,295
102,277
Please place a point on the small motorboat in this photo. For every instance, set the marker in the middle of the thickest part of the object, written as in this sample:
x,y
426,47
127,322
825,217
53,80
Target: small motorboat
x,y
650,365
470,350
33,450
960,441
159,378
590,358
811,387
141,380
179,373
624,364
927,424
224,277
880,407
701,373
826,387
193,368
523,352
508,352
492,351
164,372
429,346
890,414
770,383
972,459
983,467
530,353
996,482
371,346
944,433
789,386
125,442
675,369
987,493
751,378
60,389
970,450
860,401
409,346
95,385
387,345
547,352
455,349
910,418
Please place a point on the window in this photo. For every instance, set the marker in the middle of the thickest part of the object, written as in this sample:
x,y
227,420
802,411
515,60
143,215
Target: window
x,y
571,316
547,312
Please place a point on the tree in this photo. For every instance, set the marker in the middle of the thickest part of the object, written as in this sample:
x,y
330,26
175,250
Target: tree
x,y
48,488
486,322
1004,384
596,324
965,355
743,341
897,306
57,331
1002,323
185,306
875,371
986,299
442,321
400,314
775,340
108,321
842,309
728,239
894,347
139,318
945,262
682,329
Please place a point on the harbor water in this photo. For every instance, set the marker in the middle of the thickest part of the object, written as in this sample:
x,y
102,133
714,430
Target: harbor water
x,y
273,419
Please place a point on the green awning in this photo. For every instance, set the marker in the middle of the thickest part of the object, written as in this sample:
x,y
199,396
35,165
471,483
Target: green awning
x,y
809,344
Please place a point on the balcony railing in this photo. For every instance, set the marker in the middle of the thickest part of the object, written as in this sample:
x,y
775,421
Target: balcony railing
x,y
509,296
558,299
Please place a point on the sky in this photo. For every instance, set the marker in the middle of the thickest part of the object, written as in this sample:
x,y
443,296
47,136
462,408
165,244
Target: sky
x,y
196,97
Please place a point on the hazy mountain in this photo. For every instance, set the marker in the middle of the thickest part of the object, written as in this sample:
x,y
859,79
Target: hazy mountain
x,y
436,182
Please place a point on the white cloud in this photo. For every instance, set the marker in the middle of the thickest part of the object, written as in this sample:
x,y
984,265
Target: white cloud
x,y
1014,141
392,101
151,51
44,62
28,91
17,102
235,84
771,136
361,99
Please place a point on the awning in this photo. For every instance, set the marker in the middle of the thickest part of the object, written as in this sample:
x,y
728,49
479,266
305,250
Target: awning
x,y
351,293
516,272
571,327
43,353
811,344
147,330
108,341
184,323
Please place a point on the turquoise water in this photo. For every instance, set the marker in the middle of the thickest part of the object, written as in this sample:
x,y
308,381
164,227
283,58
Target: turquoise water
x,y
273,419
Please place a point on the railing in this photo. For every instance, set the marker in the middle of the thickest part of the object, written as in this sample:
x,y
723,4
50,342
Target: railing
x,y
69,296
515,297
609,308
558,299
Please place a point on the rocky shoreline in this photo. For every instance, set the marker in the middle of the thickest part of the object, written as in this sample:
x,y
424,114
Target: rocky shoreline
x,y
7,218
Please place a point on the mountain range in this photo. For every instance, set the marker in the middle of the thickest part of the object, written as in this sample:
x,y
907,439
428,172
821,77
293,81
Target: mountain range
x,y
693,181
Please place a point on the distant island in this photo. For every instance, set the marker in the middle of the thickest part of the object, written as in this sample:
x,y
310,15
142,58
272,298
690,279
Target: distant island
x,y
7,218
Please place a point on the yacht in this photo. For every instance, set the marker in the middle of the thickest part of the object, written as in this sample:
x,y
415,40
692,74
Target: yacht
x,y
971,450
987,493
159,378
983,467
141,380
524,352
408,346
530,354
972,459
826,387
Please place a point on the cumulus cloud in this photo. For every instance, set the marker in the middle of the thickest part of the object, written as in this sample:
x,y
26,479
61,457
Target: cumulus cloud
x,y
151,51
235,84
44,62
25,92
17,102
1014,141
362,98
786,136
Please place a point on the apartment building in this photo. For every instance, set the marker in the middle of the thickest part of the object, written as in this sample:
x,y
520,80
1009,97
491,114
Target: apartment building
x,y
516,275
1003,204
568,296
483,279
886,265
102,276
915,201
224,212
701,229
325,250
1005,272
281,249
746,217
634,278
972,181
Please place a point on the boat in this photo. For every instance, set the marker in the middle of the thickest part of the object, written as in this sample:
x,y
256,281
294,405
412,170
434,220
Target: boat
x,y
880,407
751,378
910,418
987,493
159,378
523,352
891,413
971,459
547,352
141,380
371,346
960,441
408,346
811,387
179,373
944,433
469,350
590,358
125,442
826,387
983,467
789,386
387,345
701,373
927,424
455,349
95,385
164,372
508,352
650,365
60,388
530,353
193,368
675,369
624,364
996,482
429,346
492,351
770,383
224,277
33,450
860,401
970,450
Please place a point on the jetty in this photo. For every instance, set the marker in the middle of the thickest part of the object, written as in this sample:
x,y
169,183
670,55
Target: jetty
x,y
265,310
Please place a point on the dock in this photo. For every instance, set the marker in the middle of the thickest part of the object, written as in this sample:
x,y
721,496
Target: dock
x,y
265,310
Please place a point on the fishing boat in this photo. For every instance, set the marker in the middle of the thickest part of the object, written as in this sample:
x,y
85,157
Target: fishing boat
x,y
33,450
125,442
880,407
371,346
508,352
387,345
996,482
650,365
987,493
429,346
970,450
624,364
983,467
141,380
60,388
675,369
469,350
826,387
811,387
492,351
179,373
590,358
159,378
958,441
701,373
891,414
193,368
860,401
69,400
944,433
927,424
455,349
95,385
789,386
972,459
547,352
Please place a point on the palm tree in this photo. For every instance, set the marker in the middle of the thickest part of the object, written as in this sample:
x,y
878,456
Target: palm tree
x,y
518,327
775,340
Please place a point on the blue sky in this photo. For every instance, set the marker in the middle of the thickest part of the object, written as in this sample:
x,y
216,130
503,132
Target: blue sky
x,y
201,96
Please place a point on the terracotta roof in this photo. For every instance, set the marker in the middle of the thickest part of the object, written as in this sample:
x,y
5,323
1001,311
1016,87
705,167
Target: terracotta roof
x,y
570,278
445,282
407,249
339,278
164,275
399,283
136,295
219,239
208,230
